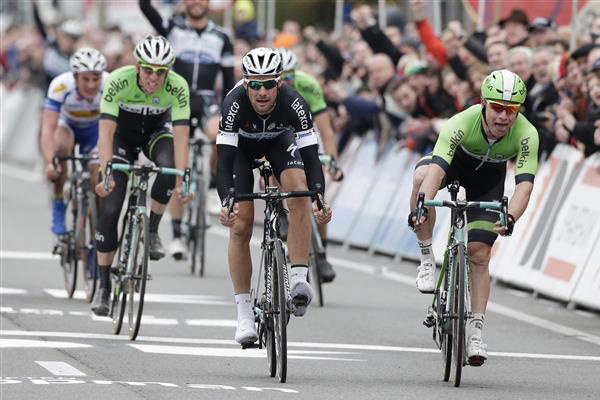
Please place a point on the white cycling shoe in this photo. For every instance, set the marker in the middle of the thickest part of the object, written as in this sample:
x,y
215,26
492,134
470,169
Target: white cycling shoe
x,y
178,250
476,351
245,332
426,277
302,294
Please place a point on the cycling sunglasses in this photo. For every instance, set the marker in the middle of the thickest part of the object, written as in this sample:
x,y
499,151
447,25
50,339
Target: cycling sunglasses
x,y
149,69
288,76
509,108
268,84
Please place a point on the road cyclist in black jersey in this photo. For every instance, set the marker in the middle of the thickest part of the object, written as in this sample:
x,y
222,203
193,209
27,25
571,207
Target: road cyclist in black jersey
x,y
474,147
202,50
262,117
144,108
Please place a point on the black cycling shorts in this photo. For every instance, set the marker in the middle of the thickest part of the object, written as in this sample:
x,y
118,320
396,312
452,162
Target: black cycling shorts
x,y
484,184
281,151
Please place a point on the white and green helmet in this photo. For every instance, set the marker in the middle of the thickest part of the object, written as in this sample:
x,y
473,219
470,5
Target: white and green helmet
x,y
504,85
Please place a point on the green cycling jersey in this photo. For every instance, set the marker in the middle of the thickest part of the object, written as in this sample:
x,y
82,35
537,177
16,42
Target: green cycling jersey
x,y
310,90
463,135
138,114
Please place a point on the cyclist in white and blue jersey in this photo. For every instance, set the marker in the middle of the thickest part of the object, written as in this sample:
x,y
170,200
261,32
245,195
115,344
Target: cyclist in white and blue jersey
x,y
70,117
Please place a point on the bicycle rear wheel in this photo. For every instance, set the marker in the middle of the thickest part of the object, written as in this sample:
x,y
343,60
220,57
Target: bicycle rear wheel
x,y
199,229
69,258
136,279
86,246
460,322
280,311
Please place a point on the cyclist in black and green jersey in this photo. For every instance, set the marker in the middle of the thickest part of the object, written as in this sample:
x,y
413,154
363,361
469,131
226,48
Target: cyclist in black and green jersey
x,y
308,87
474,147
139,105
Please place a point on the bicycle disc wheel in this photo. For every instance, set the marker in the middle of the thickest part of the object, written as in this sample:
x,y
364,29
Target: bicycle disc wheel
x,y
281,313
117,308
199,244
136,282
69,260
460,322
445,328
87,250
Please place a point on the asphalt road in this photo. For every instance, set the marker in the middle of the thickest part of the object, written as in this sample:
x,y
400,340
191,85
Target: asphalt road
x,y
366,343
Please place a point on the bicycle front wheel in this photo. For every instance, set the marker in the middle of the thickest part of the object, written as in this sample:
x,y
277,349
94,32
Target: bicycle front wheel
x,y
444,324
118,303
136,278
270,318
86,248
280,310
199,244
69,258
460,322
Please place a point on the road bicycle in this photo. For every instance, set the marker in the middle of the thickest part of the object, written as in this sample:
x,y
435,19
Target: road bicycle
x,y
130,274
195,222
271,295
451,306
77,245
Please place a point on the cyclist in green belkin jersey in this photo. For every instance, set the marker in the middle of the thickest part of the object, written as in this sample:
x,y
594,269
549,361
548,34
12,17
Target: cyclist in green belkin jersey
x,y
145,108
308,87
474,147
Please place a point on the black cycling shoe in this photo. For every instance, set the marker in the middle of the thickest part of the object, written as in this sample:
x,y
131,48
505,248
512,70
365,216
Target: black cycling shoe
x,y
100,304
156,248
283,222
325,269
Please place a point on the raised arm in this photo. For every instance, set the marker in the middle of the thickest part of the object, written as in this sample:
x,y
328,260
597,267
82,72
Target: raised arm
x,y
153,17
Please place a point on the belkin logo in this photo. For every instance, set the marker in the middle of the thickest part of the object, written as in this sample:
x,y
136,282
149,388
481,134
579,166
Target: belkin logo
x,y
455,141
115,87
524,153
179,93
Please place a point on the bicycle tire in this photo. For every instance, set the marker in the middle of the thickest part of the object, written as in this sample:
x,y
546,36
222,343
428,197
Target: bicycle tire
x,y
87,250
461,316
189,232
118,304
69,263
314,278
199,244
269,313
281,312
313,260
136,279
443,330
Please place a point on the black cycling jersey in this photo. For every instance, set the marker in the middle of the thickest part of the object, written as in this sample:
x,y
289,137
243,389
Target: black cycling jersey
x,y
200,53
240,126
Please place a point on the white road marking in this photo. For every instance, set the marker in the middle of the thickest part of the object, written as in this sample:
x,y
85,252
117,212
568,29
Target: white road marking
x,y
5,290
60,368
228,352
340,346
24,343
156,298
212,322
28,255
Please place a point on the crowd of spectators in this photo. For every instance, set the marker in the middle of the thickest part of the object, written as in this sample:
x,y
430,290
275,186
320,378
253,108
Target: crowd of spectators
x,y
401,82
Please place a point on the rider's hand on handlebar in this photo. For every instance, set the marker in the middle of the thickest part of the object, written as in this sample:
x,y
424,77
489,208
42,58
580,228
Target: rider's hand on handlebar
x,y
101,190
53,171
510,225
228,219
179,191
322,216
412,218
336,174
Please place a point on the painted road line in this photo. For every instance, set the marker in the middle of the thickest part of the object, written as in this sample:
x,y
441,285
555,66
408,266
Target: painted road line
x,y
5,290
212,322
227,352
25,343
28,255
60,368
337,346
156,298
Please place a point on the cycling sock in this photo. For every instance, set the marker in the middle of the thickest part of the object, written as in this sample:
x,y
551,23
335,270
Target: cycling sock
x,y
476,324
154,221
426,250
298,271
176,228
104,276
244,305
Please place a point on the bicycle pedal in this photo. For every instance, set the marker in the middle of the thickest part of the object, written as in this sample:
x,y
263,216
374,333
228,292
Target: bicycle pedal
x,y
249,345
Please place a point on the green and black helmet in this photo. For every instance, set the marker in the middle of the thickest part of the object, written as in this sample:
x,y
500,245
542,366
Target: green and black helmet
x,y
504,85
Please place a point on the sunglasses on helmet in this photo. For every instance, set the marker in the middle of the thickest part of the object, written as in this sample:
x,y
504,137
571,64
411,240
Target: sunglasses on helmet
x,y
500,107
256,85
149,69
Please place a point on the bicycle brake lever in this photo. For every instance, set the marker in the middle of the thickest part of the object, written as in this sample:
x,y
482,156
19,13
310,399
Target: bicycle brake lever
x,y
108,172
230,200
420,204
319,197
186,182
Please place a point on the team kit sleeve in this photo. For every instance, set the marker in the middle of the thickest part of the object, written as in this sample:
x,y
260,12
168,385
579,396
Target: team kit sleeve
x,y
109,106
56,94
527,152
227,143
179,91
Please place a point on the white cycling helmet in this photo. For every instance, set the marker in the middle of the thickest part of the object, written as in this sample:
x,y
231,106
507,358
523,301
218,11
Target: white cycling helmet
x,y
261,61
71,27
87,59
288,59
155,50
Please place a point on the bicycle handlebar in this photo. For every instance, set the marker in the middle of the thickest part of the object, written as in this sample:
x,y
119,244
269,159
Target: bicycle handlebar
x,y
146,170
